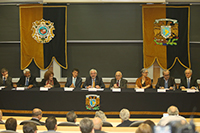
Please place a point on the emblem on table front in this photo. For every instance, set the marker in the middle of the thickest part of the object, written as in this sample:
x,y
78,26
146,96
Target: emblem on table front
x,y
43,31
92,102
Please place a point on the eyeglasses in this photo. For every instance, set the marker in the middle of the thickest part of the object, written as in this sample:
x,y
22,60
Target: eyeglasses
x,y
166,75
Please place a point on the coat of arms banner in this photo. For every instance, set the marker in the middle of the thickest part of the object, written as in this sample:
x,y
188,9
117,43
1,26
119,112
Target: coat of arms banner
x,y
166,35
43,35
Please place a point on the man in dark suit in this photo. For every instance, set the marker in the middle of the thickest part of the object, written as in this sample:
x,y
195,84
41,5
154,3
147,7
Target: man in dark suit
x,y
166,81
93,81
74,81
5,80
26,80
188,81
98,125
118,82
125,115
37,115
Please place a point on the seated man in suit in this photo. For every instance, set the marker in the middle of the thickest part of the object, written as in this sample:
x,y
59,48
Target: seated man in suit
x,y
93,81
5,80
74,81
11,125
26,80
51,124
98,125
173,113
37,115
166,81
30,128
125,115
188,81
118,82
86,125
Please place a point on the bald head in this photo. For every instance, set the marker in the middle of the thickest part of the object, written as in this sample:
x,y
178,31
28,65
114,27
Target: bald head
x,y
97,123
118,75
37,113
173,110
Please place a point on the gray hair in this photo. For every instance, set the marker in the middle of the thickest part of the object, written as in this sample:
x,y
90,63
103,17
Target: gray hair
x,y
86,125
119,72
101,115
188,69
93,70
26,70
71,116
165,70
143,70
173,110
124,114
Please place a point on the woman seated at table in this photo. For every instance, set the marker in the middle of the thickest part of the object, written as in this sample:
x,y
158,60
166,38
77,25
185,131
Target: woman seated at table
x,y
144,81
49,81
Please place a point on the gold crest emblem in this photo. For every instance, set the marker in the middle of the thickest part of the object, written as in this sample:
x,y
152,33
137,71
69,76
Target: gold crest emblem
x,y
43,31
92,102
166,31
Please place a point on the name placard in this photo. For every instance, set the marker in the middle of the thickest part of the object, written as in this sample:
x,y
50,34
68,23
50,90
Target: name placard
x,y
116,89
92,89
20,88
139,90
2,87
161,90
68,89
191,90
44,89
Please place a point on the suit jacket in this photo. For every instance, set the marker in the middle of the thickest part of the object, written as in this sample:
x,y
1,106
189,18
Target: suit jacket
x,y
123,83
22,80
42,123
161,82
193,82
126,123
43,83
77,84
98,81
8,81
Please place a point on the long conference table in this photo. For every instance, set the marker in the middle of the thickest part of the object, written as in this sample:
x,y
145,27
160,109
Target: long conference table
x,y
58,102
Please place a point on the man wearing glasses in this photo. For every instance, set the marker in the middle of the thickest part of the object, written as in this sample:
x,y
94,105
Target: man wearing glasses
x,y
118,82
188,81
166,81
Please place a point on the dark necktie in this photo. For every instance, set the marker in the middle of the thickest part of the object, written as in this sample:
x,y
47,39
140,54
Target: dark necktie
x,y
188,84
27,82
117,82
4,81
